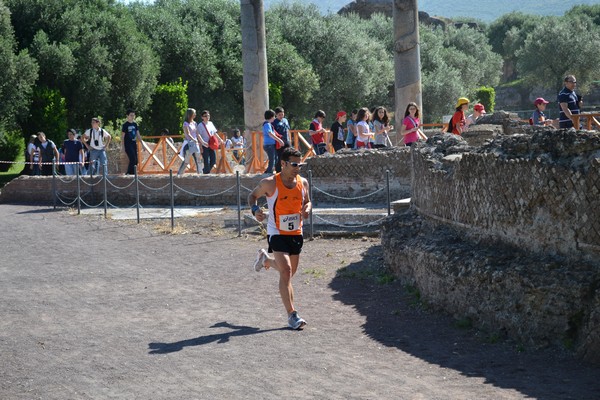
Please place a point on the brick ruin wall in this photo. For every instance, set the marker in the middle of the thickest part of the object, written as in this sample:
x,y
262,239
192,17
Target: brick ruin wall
x,y
507,235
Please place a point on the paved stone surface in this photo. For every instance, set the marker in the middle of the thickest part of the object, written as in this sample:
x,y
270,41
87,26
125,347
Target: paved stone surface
x,y
109,309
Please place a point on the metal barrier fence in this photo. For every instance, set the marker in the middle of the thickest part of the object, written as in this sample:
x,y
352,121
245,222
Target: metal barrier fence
x,y
78,201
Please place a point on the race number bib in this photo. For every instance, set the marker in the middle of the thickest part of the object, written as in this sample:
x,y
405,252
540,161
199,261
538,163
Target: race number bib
x,y
289,222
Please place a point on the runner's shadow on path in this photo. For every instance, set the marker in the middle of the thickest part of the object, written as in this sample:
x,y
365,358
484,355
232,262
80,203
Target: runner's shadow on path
x,y
396,317
237,330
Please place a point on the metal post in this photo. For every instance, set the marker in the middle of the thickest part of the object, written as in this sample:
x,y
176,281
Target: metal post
x,y
105,191
137,193
310,193
172,200
239,202
78,193
53,184
387,181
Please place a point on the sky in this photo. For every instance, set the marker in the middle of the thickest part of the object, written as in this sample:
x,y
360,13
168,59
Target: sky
x,y
485,10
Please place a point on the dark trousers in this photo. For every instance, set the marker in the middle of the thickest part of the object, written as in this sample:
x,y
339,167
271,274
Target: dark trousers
x,y
210,158
272,154
131,151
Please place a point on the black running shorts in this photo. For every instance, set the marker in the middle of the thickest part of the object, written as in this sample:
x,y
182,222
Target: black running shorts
x,y
290,244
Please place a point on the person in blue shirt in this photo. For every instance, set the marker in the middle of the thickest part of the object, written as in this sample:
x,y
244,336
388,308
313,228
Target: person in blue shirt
x,y
282,127
568,104
270,139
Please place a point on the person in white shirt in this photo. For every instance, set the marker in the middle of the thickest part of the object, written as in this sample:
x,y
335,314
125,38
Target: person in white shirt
x,y
210,140
478,112
96,140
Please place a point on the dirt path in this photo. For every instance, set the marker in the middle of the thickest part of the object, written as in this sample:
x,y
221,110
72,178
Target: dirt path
x,y
104,309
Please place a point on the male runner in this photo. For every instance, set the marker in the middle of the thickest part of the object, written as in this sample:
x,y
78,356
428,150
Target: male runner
x,y
289,203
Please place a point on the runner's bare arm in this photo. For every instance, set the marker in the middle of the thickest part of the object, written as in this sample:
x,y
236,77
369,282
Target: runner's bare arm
x,y
306,203
265,187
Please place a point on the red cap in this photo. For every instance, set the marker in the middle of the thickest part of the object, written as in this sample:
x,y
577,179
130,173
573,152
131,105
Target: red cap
x,y
479,107
340,114
540,100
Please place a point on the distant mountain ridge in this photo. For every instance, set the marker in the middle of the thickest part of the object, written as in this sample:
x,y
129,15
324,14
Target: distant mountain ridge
x,y
485,10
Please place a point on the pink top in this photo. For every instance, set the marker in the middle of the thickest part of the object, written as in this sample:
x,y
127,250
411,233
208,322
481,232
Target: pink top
x,y
410,123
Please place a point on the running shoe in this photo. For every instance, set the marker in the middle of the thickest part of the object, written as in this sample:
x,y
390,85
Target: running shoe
x,y
261,257
295,322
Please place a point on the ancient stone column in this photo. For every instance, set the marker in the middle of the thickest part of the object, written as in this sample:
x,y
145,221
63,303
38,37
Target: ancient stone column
x,y
407,57
254,59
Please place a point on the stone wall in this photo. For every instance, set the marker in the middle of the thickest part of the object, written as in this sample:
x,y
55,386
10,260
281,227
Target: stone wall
x,y
348,174
538,190
507,235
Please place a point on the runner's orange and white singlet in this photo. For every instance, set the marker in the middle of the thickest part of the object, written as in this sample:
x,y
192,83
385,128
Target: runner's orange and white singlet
x,y
285,208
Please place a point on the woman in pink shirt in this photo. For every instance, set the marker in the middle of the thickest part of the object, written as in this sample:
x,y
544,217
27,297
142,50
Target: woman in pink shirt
x,y
410,125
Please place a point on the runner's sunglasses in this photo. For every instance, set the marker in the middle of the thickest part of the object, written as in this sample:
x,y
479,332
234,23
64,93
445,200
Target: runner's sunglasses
x,y
295,164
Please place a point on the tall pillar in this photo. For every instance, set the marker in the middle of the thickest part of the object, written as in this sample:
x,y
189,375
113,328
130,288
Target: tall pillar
x,y
407,57
254,59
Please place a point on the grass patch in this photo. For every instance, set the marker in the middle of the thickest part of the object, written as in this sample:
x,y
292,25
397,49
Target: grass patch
x,y
314,272
464,323
377,275
165,228
12,173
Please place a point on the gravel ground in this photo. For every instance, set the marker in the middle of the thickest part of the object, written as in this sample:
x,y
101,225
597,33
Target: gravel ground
x,y
105,309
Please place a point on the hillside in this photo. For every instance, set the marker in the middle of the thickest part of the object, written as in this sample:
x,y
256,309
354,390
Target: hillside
x,y
485,10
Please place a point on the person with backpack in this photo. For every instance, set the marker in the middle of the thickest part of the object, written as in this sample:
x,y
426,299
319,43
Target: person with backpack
x,y
48,154
317,133
458,121
96,140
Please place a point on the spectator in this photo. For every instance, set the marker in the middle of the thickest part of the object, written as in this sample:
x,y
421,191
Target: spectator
x,y
191,147
381,127
282,127
568,105
363,132
32,154
457,123
538,117
337,131
410,128
48,154
478,112
169,139
96,140
210,140
238,143
130,135
317,133
270,138
351,135
73,151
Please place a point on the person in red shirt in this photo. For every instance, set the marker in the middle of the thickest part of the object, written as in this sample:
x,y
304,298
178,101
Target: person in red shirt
x,y
317,133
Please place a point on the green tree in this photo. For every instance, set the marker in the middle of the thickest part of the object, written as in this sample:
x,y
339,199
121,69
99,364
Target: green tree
x,y
91,51
454,63
507,35
19,72
169,103
545,62
199,41
48,114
